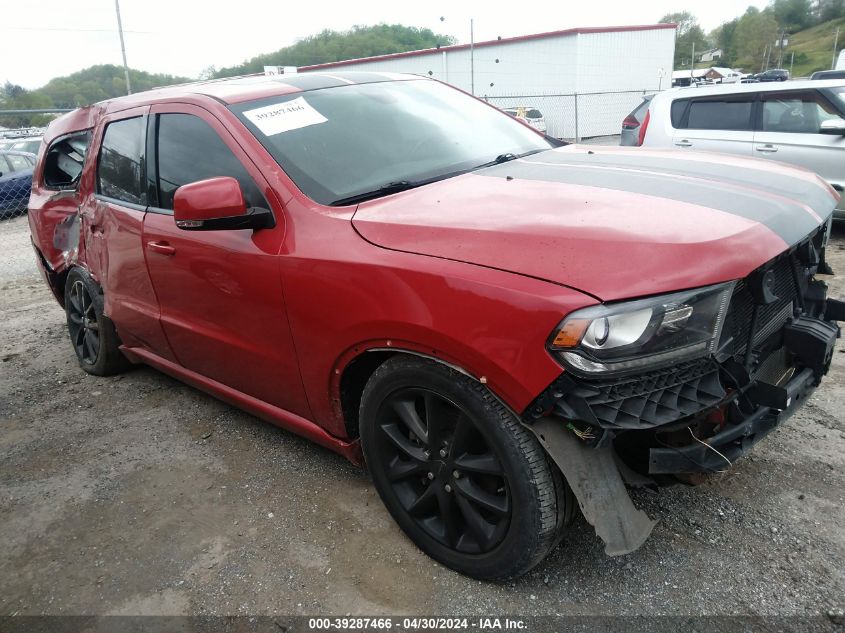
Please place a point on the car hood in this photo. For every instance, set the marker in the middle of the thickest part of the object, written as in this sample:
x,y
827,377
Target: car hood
x,y
609,221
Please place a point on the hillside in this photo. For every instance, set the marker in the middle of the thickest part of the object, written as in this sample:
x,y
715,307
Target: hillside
x,y
104,81
813,47
81,88
333,46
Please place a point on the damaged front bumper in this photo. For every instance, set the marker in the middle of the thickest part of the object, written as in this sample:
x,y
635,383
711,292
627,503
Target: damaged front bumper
x,y
698,416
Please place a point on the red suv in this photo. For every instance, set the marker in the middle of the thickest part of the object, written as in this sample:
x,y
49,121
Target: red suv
x,y
496,325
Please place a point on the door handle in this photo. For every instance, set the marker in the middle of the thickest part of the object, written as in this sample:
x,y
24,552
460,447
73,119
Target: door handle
x,y
162,248
683,143
769,149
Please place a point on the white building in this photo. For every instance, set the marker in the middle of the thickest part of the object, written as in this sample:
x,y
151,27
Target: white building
x,y
547,70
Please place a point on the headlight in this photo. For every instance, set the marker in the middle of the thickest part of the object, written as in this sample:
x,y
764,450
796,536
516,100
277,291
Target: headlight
x,y
619,337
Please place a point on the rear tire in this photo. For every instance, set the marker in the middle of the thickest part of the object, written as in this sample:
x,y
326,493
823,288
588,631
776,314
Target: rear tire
x,y
458,472
92,334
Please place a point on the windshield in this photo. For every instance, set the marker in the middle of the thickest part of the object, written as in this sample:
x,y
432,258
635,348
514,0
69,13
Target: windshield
x,y
338,143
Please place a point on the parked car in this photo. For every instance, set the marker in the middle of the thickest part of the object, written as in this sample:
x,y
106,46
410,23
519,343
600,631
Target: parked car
x,y
828,74
773,74
442,292
15,181
802,123
635,123
30,145
532,116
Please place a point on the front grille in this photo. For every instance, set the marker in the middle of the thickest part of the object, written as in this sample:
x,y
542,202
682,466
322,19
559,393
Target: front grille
x,y
657,397
771,317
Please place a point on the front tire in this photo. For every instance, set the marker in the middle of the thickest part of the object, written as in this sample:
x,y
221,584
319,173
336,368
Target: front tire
x,y
92,334
457,471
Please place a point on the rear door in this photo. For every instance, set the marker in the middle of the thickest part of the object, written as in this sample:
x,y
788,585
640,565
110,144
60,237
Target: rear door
x,y
221,294
55,199
112,223
720,123
789,133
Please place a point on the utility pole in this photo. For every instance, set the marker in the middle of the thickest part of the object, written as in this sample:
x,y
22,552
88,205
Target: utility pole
x,y
791,63
692,65
471,57
835,46
122,47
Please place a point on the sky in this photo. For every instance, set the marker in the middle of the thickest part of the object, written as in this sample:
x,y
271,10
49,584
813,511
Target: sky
x,y
42,39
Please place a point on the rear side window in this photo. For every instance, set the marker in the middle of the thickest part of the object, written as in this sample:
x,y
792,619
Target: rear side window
x,y
119,167
189,150
719,114
679,109
64,160
534,114
796,112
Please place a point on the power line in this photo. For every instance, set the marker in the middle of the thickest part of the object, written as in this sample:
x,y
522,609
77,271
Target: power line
x,y
47,28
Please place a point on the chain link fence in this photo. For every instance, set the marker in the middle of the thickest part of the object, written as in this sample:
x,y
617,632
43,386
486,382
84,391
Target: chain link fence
x,y
16,256
577,116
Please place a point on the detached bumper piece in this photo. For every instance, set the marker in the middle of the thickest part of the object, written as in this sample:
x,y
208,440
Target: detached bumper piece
x,y
735,440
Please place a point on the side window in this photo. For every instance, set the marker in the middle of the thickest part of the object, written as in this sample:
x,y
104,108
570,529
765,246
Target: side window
x,y
795,112
679,108
119,167
64,160
190,150
720,114
4,166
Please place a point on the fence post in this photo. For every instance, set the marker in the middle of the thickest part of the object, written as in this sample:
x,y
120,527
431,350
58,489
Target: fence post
x,y
577,134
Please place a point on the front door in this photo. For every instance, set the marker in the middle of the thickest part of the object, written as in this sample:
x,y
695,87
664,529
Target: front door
x,y
221,293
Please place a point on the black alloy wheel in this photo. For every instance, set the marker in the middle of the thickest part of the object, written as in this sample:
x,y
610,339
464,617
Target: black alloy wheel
x,y
92,334
443,471
82,323
457,470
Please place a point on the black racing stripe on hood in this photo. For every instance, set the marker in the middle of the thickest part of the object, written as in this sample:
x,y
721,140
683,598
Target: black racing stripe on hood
x,y
775,181
784,216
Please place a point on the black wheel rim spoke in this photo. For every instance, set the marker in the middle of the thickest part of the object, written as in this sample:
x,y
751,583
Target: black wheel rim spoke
x,y
409,416
482,499
486,464
82,324
480,530
442,470
403,443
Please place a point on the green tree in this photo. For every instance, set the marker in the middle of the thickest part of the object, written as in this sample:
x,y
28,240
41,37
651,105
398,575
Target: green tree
x,y
722,37
830,10
754,36
793,15
687,35
333,46
14,97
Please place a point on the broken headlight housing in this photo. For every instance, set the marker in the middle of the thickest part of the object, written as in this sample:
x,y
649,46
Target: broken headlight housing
x,y
629,336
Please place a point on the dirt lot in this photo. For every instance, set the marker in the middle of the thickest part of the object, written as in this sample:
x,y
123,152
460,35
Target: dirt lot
x,y
139,495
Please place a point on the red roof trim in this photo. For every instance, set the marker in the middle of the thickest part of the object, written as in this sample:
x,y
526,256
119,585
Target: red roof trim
x,y
506,40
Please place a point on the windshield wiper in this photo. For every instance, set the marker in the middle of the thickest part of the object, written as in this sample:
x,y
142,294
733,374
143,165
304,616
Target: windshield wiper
x,y
383,190
507,157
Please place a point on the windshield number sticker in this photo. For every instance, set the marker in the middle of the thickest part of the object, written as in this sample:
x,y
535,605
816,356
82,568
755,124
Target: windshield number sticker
x,y
284,117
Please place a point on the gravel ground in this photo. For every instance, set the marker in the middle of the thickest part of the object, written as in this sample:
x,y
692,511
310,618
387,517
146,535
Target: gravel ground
x,y
138,495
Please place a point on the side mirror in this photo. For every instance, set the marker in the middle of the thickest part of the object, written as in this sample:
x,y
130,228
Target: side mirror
x,y
833,126
217,204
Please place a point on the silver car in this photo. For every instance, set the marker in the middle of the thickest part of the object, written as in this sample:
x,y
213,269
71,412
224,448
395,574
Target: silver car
x,y
796,122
